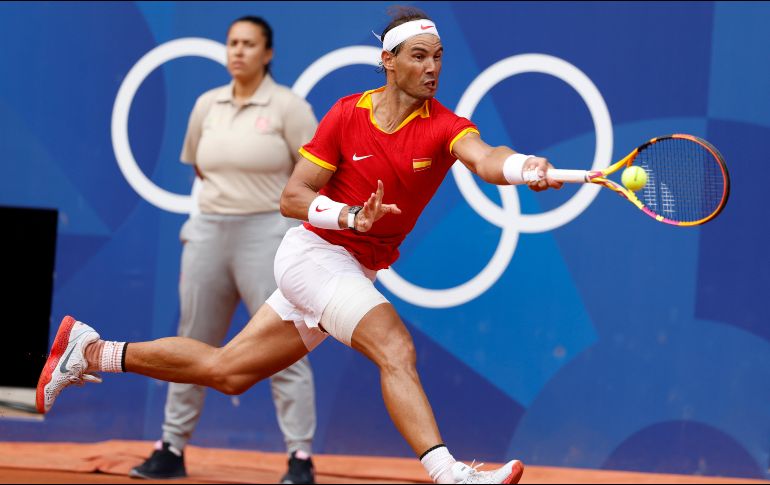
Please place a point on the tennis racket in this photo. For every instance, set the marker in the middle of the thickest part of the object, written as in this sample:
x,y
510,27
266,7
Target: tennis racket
x,y
687,179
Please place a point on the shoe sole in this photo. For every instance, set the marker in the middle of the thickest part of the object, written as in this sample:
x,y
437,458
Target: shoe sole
x,y
517,470
137,474
57,350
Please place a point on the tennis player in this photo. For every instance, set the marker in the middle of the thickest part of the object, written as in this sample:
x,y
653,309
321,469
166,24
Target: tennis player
x,y
399,138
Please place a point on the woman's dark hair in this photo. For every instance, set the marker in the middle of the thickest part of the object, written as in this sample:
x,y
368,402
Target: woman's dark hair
x,y
401,15
266,30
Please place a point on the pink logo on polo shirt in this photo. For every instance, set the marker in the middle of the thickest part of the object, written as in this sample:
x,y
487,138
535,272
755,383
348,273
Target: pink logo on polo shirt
x,y
262,124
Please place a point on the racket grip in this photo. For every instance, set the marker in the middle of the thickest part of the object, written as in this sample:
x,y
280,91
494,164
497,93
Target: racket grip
x,y
571,176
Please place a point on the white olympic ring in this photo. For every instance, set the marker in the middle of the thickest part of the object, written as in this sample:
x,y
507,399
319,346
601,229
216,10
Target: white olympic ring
x,y
191,46
508,217
568,73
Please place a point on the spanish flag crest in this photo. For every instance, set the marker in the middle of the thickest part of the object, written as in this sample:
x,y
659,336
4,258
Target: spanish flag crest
x,y
420,164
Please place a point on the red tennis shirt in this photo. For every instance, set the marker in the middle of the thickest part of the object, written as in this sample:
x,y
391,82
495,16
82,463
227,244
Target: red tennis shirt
x,y
411,162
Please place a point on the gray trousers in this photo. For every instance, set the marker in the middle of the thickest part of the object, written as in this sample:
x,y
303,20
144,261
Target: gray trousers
x,y
225,259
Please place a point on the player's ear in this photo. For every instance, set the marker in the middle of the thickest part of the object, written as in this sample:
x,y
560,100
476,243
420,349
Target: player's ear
x,y
388,58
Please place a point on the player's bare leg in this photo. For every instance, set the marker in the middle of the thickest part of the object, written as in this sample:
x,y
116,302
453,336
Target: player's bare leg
x,y
383,338
265,346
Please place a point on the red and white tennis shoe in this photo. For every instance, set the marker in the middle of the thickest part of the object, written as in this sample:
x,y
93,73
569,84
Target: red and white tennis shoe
x,y
66,364
509,473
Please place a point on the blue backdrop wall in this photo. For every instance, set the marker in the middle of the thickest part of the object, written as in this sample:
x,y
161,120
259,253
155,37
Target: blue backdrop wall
x,y
535,337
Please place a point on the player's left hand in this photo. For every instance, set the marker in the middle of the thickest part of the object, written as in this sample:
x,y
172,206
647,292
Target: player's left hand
x,y
374,210
541,165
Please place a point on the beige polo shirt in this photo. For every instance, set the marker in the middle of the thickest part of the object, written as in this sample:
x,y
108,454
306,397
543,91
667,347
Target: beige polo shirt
x,y
246,154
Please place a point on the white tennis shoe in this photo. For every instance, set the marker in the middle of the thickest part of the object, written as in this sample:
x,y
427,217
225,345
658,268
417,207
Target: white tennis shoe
x,y
66,364
509,473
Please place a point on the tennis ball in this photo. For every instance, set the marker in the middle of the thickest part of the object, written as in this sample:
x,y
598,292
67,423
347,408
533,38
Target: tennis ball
x,y
634,178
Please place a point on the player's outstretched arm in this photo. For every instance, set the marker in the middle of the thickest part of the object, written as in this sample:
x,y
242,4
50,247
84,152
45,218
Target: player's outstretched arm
x,y
496,166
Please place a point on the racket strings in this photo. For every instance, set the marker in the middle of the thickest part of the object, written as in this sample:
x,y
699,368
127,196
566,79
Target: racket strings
x,y
685,182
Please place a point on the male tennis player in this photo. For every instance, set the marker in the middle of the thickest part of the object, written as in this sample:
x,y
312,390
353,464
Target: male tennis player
x,y
398,137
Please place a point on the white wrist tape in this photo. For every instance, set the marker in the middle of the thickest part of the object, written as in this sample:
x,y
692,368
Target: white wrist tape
x,y
324,213
512,168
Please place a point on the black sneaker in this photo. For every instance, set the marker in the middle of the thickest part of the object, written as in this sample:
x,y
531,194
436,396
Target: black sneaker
x,y
163,463
300,470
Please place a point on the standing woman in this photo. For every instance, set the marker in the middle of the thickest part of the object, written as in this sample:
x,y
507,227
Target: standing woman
x,y
243,140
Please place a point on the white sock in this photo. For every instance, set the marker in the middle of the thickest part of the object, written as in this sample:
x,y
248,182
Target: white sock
x,y
112,357
438,463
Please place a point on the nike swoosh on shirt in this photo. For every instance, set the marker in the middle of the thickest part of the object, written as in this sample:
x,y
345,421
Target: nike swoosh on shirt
x,y
355,158
63,366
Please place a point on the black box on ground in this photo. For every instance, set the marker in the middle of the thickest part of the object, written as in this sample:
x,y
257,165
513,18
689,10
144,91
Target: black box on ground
x,y
27,259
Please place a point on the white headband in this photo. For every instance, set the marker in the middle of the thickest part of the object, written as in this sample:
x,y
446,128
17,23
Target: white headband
x,y
405,31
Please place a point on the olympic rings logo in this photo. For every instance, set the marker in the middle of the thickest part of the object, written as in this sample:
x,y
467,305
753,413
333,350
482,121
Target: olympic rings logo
x,y
508,217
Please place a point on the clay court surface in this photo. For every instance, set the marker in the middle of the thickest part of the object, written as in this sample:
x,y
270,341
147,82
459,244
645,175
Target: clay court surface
x,y
110,461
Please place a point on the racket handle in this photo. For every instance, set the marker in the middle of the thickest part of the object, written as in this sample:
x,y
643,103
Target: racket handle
x,y
571,176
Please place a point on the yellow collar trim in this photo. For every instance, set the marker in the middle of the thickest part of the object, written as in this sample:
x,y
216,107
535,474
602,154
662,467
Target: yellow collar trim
x,y
365,101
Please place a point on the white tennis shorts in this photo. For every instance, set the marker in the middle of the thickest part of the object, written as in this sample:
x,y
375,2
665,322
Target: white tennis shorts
x,y
319,282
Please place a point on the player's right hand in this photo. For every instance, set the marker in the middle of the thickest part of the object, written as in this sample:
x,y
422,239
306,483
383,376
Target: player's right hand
x,y
541,165
374,210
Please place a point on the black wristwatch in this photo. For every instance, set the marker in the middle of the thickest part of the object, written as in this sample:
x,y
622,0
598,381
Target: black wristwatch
x,y
355,209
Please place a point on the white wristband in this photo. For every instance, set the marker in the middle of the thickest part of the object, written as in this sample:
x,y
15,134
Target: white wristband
x,y
512,168
324,213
